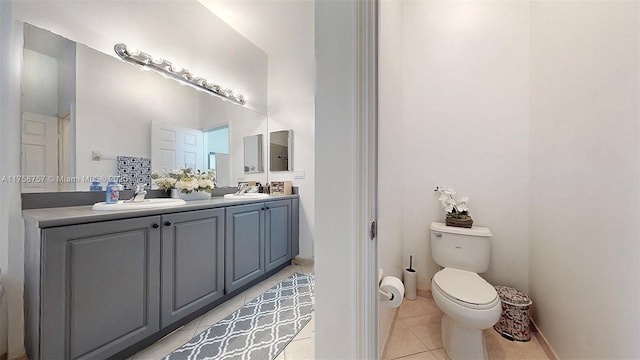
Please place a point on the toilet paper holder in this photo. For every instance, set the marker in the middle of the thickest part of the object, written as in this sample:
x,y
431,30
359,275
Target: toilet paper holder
x,y
384,295
390,290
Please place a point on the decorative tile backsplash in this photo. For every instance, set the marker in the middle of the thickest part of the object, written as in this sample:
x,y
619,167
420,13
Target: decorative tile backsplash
x,y
133,170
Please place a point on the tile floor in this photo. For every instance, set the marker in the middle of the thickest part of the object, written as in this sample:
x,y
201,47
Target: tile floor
x,y
301,347
416,336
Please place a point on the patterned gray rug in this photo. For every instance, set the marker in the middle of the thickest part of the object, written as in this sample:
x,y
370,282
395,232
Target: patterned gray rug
x,y
260,329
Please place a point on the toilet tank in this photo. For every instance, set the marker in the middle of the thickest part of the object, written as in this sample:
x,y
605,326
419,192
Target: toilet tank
x,y
461,248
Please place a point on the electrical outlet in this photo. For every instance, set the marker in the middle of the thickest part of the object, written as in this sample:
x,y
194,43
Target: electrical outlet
x,y
298,174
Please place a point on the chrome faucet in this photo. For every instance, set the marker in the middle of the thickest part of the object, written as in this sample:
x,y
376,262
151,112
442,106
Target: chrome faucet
x,y
242,189
139,194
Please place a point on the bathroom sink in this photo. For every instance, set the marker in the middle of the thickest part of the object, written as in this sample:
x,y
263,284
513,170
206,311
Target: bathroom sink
x,y
146,204
246,196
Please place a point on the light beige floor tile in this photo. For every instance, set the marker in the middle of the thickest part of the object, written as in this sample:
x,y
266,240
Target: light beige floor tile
x,y
260,288
426,328
221,311
307,267
307,331
427,355
192,325
165,345
419,306
288,271
280,356
300,350
500,348
403,342
440,354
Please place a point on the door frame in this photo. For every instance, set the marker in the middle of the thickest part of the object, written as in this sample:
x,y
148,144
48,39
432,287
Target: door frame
x,y
366,133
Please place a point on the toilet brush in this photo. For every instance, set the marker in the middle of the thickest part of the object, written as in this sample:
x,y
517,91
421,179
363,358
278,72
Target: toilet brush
x,y
410,278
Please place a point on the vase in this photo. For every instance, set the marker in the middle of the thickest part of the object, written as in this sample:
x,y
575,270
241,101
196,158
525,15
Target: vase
x,y
457,220
195,195
174,194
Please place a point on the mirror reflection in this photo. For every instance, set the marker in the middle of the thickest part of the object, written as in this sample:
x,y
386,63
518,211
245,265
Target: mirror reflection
x,y
281,150
253,154
85,111
48,97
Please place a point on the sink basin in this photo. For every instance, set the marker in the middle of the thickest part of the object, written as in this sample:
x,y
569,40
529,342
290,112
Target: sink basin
x,y
146,204
246,196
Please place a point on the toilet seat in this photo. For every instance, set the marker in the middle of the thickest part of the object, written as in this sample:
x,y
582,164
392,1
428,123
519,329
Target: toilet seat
x,y
465,288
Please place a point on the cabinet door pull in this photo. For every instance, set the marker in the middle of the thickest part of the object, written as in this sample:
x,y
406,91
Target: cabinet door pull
x,y
267,208
262,209
155,226
167,223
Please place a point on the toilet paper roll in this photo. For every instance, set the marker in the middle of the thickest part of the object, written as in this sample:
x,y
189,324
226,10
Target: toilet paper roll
x,y
393,286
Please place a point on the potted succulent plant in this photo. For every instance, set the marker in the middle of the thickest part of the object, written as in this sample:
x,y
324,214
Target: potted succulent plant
x,y
457,210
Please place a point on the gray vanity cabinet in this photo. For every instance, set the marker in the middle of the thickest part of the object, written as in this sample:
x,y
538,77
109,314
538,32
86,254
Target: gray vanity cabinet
x,y
192,262
244,245
277,233
99,288
108,287
259,238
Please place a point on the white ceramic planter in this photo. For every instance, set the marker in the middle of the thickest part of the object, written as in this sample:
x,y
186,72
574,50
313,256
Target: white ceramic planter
x,y
195,195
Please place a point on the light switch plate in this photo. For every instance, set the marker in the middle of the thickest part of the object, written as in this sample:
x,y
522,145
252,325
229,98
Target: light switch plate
x,y
298,174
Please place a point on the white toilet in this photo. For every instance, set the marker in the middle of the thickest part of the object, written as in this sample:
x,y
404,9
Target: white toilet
x,y
469,303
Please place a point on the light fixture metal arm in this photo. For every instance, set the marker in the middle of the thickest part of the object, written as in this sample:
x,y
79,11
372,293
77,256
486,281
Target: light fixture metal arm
x,y
165,67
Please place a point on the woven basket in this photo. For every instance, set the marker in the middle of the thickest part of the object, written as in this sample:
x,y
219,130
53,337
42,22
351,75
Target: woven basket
x,y
464,221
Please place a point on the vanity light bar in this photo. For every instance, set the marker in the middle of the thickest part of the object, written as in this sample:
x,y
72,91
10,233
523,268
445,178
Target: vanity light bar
x,y
135,56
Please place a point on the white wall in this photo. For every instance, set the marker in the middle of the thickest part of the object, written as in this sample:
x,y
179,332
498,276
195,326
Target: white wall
x,y
284,30
11,226
390,139
335,255
584,272
531,109
466,121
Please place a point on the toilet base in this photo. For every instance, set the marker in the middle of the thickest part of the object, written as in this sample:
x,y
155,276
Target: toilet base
x,y
462,343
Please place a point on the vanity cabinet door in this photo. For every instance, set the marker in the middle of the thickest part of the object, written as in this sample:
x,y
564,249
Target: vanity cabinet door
x,y
244,245
100,287
277,233
192,262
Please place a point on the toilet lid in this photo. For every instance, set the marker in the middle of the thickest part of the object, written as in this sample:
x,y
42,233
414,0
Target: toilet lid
x,y
465,286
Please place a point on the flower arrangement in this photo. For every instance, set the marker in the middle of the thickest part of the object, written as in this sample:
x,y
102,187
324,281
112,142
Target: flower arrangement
x,y
457,210
185,180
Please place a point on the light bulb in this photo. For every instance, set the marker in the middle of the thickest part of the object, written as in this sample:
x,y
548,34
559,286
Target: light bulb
x,y
157,60
132,51
175,68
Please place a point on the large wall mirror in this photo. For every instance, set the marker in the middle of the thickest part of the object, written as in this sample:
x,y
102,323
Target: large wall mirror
x,y
83,109
281,150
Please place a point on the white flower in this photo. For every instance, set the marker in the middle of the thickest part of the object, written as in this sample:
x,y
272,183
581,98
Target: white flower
x,y
449,204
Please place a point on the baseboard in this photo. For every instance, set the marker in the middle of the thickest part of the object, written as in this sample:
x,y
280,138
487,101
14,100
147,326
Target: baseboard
x,y
544,343
386,342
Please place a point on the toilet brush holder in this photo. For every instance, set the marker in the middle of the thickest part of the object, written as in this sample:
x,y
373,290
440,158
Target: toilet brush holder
x,y
409,279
